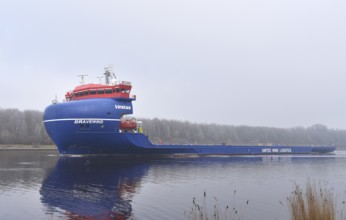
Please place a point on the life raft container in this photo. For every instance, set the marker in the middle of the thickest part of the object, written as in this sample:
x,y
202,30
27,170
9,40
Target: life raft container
x,y
128,124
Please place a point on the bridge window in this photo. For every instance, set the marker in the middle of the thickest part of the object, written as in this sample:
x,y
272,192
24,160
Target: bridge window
x,y
100,91
92,92
108,91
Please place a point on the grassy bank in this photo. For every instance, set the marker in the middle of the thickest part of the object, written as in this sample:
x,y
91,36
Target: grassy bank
x,y
26,147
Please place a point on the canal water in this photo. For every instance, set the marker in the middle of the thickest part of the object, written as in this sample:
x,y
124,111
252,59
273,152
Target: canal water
x,y
42,185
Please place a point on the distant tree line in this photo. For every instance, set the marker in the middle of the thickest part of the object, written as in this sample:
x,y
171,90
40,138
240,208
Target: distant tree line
x,y
22,127
26,127
171,131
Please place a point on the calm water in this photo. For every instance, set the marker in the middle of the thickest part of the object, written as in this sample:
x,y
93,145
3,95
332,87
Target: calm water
x,y
40,185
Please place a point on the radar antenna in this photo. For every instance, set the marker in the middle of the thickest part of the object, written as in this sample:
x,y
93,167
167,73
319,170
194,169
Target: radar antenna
x,y
82,78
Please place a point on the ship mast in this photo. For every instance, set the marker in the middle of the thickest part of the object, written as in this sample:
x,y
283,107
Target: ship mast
x,y
109,74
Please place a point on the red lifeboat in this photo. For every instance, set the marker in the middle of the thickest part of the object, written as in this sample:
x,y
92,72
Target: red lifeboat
x,y
128,124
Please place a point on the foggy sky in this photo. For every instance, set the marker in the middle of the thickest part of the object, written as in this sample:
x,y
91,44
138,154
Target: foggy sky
x,y
279,63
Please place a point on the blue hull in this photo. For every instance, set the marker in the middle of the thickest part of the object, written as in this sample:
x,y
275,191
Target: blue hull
x,y
92,127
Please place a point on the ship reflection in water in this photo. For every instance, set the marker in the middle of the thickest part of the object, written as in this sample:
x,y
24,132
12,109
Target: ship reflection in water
x,y
83,188
93,187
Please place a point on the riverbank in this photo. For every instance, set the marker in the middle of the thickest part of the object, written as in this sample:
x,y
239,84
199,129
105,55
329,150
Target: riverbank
x,y
26,147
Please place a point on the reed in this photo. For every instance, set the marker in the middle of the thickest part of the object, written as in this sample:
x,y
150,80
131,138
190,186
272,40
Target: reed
x,y
316,203
203,211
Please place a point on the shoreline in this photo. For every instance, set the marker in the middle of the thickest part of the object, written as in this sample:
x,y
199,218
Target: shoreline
x,y
26,147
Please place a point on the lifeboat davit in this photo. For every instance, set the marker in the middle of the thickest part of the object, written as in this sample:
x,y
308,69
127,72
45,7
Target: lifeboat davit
x,y
128,124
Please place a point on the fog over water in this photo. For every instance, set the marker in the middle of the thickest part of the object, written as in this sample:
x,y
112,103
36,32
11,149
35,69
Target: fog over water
x,y
268,63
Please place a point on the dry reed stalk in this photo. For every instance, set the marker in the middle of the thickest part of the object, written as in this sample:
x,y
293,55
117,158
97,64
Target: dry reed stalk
x,y
200,212
316,204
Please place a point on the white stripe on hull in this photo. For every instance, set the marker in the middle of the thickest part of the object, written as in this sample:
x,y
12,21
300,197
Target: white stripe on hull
x,y
74,119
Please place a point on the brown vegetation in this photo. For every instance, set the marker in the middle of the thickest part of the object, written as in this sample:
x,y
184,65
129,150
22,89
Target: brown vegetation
x,y
316,203
202,212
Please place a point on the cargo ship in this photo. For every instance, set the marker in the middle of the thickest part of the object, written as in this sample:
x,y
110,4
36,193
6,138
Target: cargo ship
x,y
96,119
